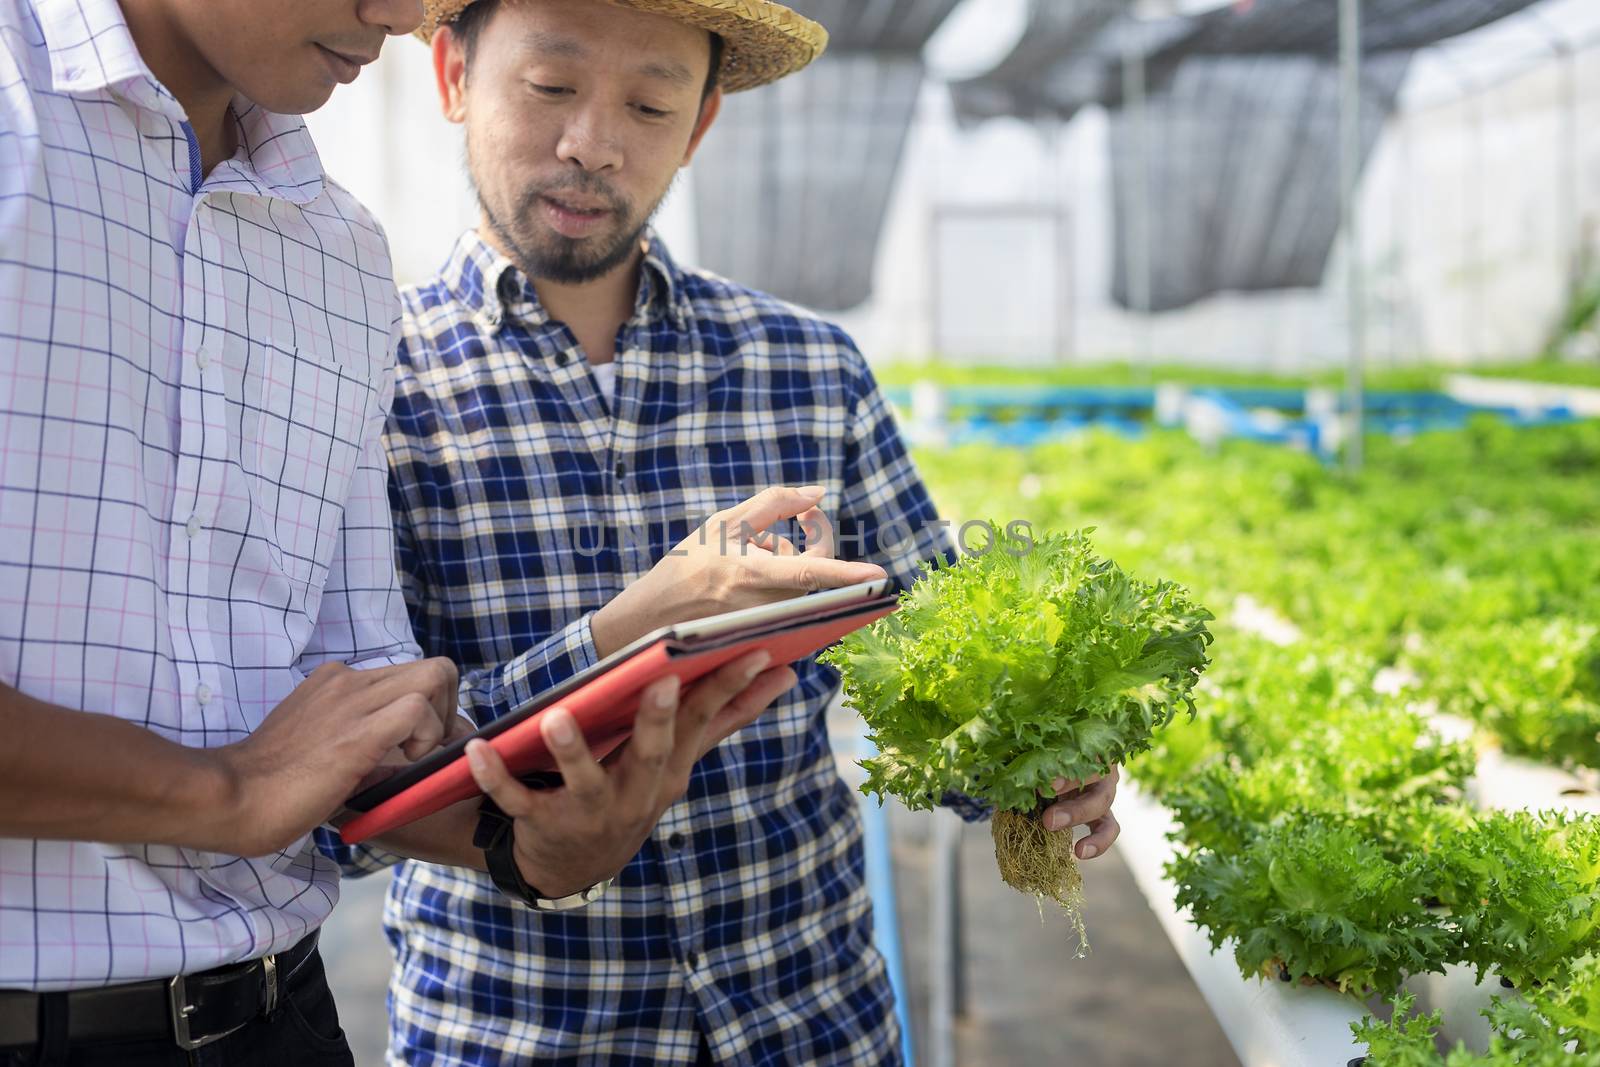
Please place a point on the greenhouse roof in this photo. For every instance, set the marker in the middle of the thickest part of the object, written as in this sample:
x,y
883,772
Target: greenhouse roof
x,y
1072,52
1238,142
1239,136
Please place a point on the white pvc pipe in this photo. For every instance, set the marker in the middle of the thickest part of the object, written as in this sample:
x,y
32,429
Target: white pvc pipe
x,y
1349,213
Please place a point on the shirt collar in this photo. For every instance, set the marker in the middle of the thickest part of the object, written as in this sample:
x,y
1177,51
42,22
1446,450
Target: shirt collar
x,y
282,158
494,289
91,51
661,288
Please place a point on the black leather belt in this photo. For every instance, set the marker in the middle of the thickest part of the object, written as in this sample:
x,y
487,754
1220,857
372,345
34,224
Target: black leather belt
x,y
194,1010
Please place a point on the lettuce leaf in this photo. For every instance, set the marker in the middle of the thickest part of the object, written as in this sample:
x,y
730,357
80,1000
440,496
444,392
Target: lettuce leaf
x,y
1312,900
1524,888
1035,660
1551,1027
1533,683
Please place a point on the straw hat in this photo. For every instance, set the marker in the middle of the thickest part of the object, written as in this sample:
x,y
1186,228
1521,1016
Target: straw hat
x,y
763,41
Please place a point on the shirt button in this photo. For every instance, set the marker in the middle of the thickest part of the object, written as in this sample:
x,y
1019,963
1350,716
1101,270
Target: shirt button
x,y
690,960
193,526
675,840
562,358
202,695
622,470
202,358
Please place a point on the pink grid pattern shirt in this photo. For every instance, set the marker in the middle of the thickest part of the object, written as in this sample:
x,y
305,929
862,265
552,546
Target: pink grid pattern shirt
x,y
193,515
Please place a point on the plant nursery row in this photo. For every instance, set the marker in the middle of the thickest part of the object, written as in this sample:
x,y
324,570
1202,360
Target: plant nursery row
x,y
1378,635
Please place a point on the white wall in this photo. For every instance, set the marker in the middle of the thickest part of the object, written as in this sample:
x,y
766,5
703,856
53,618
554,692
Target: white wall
x,y
1481,202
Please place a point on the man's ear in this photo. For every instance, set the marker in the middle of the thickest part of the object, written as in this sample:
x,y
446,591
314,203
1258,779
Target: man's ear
x,y
708,114
450,73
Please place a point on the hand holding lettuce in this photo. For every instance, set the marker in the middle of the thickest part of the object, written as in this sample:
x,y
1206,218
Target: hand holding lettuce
x,y
1033,661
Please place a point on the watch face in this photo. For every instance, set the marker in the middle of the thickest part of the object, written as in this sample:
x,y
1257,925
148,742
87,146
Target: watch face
x,y
576,900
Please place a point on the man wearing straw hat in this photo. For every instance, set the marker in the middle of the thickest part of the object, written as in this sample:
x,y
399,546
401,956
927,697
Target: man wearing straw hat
x,y
571,403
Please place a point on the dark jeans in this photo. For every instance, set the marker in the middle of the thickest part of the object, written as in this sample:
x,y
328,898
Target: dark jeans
x,y
303,1032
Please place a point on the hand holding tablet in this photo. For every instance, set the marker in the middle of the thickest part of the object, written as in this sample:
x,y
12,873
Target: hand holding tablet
x,y
605,698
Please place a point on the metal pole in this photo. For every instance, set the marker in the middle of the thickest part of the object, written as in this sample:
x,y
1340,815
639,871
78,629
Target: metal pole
x,y
1135,107
1467,88
944,956
876,839
1569,138
1399,204
1478,265
1570,223
1572,186
1349,212
935,352
960,1002
1059,199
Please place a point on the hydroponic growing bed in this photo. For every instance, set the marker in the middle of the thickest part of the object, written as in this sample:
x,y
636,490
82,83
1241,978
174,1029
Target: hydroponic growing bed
x,y
1326,835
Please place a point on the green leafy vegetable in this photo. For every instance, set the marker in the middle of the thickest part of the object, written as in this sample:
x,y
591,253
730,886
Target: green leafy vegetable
x,y
1316,901
1552,1027
1467,558
1525,890
1535,684
1381,770
1028,663
1406,1040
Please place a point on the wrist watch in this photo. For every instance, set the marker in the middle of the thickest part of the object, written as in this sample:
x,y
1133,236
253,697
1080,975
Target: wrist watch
x,y
494,836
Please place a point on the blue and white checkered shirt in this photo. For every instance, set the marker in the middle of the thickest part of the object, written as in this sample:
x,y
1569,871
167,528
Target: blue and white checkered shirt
x,y
524,500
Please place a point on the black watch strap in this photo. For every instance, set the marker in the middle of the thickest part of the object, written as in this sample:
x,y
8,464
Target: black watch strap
x,y
494,836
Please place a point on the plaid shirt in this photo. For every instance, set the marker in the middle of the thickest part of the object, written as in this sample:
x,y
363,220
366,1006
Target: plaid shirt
x,y
524,500
193,512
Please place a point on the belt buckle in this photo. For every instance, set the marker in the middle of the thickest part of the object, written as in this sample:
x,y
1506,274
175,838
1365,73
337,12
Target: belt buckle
x,y
179,1009
269,981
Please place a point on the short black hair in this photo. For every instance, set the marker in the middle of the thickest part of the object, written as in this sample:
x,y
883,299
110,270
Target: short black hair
x,y
470,23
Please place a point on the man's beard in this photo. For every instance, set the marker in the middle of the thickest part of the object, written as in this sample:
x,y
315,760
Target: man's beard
x,y
552,256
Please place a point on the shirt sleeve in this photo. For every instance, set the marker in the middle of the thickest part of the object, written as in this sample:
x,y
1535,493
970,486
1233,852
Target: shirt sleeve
x,y
484,695
487,695
886,514
362,619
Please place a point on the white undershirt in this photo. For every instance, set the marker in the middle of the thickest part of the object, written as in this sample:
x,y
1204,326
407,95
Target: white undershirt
x,y
605,376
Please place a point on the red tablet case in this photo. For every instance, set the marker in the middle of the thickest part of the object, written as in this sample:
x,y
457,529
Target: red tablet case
x,y
604,708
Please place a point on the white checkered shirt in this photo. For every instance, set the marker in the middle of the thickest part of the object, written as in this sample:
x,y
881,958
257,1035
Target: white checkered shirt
x,y
192,504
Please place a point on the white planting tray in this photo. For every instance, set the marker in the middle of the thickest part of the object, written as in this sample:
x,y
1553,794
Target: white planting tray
x,y
1269,1024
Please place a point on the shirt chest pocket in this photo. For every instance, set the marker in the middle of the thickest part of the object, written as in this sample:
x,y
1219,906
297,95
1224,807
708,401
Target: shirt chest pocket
x,y
299,457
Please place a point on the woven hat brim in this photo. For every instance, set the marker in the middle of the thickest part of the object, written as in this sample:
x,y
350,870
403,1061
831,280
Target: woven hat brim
x,y
763,41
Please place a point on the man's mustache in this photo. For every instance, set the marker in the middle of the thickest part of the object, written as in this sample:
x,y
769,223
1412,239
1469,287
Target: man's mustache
x,y
585,185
